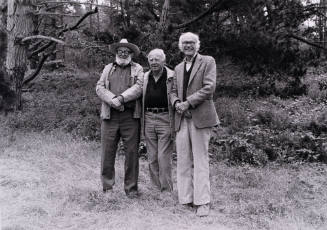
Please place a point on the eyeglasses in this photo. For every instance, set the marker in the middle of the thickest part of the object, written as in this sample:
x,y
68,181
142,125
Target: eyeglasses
x,y
188,43
123,52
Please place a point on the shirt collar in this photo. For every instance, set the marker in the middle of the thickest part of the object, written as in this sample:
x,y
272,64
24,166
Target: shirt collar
x,y
163,74
192,59
121,66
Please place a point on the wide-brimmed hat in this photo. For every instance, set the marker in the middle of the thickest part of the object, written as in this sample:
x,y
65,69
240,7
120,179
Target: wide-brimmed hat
x,y
125,43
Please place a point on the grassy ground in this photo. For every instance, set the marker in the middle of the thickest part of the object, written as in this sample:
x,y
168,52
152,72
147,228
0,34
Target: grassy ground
x,y
51,181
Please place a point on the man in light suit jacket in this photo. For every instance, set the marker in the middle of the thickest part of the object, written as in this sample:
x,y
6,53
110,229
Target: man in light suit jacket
x,y
195,115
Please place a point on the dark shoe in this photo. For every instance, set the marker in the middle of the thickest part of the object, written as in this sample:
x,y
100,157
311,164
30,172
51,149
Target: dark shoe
x,y
132,194
106,189
188,205
203,210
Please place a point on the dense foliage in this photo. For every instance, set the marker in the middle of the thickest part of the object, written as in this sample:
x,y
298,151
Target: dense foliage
x,y
261,48
258,34
267,39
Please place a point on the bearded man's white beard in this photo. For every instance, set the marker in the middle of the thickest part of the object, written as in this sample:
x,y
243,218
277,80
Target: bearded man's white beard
x,y
122,61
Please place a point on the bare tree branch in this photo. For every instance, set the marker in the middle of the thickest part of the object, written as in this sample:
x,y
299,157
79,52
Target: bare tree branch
x,y
79,21
42,48
306,41
63,31
57,14
43,37
35,45
54,7
218,4
33,75
73,3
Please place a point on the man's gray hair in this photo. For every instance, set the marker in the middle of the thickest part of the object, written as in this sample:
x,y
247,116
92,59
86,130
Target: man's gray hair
x,y
159,52
189,35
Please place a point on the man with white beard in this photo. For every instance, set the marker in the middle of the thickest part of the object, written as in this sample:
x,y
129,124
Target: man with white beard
x,y
119,119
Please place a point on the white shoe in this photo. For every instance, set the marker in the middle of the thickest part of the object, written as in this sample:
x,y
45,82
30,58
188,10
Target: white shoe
x,y
203,210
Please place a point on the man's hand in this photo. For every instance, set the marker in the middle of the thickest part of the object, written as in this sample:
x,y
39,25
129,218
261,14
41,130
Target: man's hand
x,y
116,103
181,107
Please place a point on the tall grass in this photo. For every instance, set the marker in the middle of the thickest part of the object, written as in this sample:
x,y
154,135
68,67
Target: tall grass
x,y
52,181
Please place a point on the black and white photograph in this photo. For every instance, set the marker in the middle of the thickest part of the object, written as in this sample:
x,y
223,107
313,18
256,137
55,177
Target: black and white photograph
x,y
163,114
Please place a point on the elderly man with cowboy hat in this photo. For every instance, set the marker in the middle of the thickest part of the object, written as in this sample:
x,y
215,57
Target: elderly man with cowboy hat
x,y
120,120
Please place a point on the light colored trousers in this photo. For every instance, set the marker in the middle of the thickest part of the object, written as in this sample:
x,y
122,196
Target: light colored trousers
x,y
192,146
159,147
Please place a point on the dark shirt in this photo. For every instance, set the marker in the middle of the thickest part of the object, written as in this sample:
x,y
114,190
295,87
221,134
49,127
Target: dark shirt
x,y
186,78
120,80
156,92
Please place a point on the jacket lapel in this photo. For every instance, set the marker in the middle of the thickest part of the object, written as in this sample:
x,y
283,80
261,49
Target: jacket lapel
x,y
170,76
196,67
133,69
145,82
180,72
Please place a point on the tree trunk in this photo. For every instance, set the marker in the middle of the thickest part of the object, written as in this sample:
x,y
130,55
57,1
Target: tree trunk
x,y
164,15
323,22
91,18
128,16
98,18
19,24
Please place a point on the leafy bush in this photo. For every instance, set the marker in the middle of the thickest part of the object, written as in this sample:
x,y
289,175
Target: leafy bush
x,y
275,119
62,100
318,124
317,86
231,113
236,148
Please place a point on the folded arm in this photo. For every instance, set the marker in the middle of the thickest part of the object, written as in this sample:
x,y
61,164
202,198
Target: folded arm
x,y
104,94
135,91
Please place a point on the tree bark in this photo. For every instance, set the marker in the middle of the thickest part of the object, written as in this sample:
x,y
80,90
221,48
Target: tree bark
x,y
19,25
164,15
323,37
98,18
91,18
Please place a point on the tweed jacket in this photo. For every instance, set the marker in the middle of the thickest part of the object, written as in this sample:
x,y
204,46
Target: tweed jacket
x,y
199,94
104,93
140,88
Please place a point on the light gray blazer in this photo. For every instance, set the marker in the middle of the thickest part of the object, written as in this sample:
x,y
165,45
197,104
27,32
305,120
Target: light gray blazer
x,y
199,94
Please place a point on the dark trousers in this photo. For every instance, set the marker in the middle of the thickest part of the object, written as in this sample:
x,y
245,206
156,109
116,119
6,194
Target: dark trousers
x,y
120,125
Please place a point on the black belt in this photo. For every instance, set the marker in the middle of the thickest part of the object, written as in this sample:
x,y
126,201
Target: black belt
x,y
156,110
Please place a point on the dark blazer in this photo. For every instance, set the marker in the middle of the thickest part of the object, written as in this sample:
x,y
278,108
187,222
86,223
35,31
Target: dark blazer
x,y
200,90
